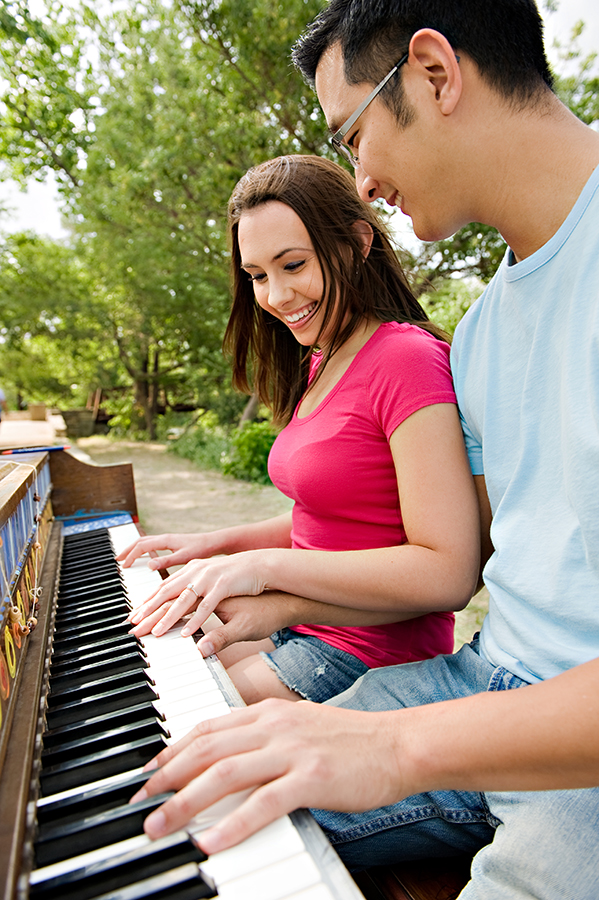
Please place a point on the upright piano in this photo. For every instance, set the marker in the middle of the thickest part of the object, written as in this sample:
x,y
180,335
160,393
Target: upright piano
x,y
84,705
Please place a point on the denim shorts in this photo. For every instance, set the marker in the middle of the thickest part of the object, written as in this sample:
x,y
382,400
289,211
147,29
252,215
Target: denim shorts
x,y
310,667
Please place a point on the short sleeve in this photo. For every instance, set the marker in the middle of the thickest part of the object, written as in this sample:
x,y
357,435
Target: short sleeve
x,y
472,438
411,371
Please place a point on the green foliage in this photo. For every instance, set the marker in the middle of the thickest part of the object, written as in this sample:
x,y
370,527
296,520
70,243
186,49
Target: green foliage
x,y
148,113
52,331
474,251
204,442
579,90
247,458
450,301
43,107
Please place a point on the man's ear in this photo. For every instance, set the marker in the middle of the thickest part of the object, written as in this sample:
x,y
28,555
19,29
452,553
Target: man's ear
x,y
433,52
365,234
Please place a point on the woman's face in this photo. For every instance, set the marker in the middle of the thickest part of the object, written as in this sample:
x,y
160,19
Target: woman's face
x,y
277,253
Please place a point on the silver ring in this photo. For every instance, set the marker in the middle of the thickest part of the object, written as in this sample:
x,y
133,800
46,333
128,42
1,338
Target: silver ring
x,y
190,587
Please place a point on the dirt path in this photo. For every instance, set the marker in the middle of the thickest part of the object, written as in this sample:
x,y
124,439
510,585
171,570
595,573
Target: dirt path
x,y
174,495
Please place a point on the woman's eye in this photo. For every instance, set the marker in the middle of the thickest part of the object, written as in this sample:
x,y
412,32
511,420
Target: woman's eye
x,y
293,266
260,276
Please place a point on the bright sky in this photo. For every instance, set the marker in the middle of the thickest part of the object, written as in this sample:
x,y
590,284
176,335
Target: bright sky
x,y
37,209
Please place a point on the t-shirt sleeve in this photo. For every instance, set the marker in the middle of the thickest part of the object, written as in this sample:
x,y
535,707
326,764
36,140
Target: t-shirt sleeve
x,y
472,438
473,448
411,371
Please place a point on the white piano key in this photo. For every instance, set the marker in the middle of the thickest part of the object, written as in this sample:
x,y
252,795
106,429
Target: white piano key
x,y
123,535
175,707
277,841
272,864
180,725
273,881
316,892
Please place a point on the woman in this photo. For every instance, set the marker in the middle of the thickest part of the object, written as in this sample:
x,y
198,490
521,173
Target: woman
x,y
325,329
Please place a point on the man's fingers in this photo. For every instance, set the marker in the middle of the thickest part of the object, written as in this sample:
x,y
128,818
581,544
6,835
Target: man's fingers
x,y
198,749
236,773
264,805
216,640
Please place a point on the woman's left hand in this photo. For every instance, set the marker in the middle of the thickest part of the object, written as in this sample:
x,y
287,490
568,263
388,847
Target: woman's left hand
x,y
201,585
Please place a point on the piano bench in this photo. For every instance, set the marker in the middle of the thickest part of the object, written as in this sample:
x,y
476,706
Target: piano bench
x,y
424,879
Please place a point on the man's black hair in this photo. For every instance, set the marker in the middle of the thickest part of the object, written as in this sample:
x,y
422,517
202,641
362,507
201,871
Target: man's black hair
x,y
504,38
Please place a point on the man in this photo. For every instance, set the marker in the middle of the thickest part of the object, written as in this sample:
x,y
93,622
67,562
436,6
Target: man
x,y
466,128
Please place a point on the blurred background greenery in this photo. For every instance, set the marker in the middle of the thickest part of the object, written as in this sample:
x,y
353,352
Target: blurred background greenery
x,y
146,113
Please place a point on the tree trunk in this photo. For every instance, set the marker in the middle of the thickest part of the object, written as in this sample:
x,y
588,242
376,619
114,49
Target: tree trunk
x,y
250,412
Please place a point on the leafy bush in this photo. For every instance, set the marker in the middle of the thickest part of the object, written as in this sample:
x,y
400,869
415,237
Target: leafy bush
x,y
247,457
447,305
203,443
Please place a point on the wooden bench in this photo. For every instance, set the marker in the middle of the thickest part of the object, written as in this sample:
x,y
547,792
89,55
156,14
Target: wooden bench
x,y
429,879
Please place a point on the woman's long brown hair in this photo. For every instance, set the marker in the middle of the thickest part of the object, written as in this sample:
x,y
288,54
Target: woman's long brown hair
x,y
266,357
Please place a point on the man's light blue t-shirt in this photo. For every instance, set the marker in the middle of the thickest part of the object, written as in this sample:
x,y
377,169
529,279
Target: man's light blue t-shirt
x,y
525,361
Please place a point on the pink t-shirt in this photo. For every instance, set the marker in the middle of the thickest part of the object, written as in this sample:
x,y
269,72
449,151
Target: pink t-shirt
x,y
336,464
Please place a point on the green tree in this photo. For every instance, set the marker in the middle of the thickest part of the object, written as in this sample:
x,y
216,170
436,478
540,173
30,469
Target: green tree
x,y
51,337
45,112
178,103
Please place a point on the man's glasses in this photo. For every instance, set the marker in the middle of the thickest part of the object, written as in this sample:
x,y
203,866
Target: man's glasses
x,y
337,139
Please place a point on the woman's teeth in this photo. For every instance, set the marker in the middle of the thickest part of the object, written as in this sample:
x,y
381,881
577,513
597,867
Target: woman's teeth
x,y
300,315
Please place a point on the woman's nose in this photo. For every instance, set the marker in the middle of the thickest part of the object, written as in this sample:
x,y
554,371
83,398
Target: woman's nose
x,y
280,294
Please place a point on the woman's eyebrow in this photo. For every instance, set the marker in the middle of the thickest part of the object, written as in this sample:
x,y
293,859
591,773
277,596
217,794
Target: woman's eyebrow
x,y
278,256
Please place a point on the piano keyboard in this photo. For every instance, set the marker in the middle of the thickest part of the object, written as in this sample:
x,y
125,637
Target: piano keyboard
x,y
90,841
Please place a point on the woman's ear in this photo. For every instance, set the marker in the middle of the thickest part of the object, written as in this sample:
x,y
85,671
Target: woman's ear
x,y
365,235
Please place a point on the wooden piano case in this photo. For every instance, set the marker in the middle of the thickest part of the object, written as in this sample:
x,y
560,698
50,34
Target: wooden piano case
x,y
36,490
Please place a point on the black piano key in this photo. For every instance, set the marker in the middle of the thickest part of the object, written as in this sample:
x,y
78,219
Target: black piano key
x,y
184,883
70,641
92,648
75,569
90,800
65,693
75,660
85,543
81,747
96,766
85,592
108,875
69,839
85,611
96,724
79,675
106,703
106,625
81,576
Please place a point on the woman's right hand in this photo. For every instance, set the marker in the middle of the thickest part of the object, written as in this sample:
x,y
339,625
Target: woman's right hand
x,y
183,548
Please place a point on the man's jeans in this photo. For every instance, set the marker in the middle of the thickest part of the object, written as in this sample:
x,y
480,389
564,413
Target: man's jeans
x,y
542,844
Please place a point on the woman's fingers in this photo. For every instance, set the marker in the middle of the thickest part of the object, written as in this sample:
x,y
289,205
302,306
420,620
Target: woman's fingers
x,y
144,545
146,624
200,585
172,589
